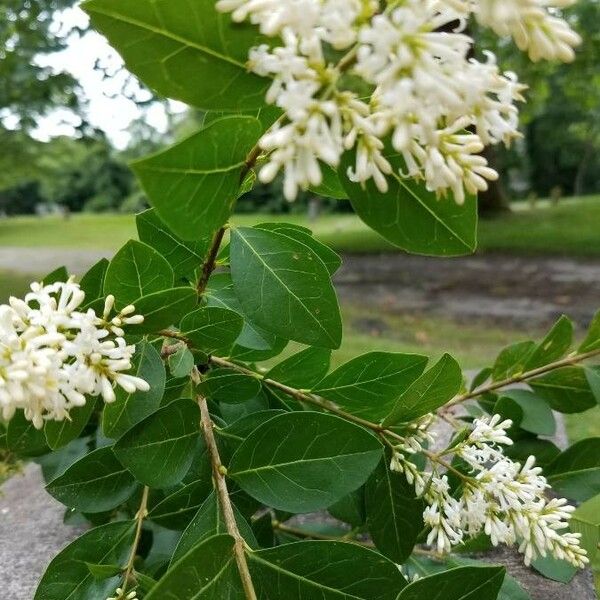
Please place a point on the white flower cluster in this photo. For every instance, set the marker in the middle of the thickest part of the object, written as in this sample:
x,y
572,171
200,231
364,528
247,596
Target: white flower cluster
x,y
500,497
52,355
436,105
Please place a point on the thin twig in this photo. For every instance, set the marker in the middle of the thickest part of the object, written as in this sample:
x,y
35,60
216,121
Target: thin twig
x,y
224,500
521,377
139,517
211,260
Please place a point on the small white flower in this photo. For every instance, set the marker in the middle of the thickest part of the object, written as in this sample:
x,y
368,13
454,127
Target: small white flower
x,y
52,354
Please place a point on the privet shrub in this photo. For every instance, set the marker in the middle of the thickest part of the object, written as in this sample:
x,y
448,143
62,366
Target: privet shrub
x,y
142,390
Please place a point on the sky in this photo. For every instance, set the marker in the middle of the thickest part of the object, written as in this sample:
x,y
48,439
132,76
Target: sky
x,y
108,109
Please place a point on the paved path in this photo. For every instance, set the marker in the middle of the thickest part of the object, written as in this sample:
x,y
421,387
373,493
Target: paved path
x,y
31,533
511,291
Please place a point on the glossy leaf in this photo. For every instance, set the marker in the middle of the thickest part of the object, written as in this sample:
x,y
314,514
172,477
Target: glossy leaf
x,y
369,385
324,570
193,184
208,522
23,438
60,433
188,52
331,259
411,217
181,363
68,577
95,483
227,385
566,390
207,572
284,287
433,389
592,339
463,583
304,461
92,283
575,473
184,257
159,449
164,309
586,520
553,347
537,415
212,329
176,510
136,270
512,360
394,514
303,370
129,409
60,274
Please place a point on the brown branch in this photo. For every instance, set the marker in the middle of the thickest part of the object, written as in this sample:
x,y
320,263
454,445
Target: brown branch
x,y
224,500
210,263
521,377
139,517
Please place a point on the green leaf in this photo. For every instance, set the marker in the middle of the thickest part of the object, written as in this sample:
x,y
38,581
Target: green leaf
x,y
324,570
184,257
304,461
411,217
209,522
575,473
159,449
369,385
394,513
586,521
537,414
193,184
592,339
284,287
233,435
227,385
208,572
512,360
302,370
95,483
104,571
543,450
129,409
555,569
553,347
433,389
164,309
136,270
92,283
463,583
177,509
567,390
60,274
60,433
212,329
331,259
350,509
181,363
331,186
220,293
68,577
23,438
189,52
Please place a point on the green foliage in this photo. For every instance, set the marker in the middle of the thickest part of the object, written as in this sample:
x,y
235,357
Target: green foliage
x,y
200,479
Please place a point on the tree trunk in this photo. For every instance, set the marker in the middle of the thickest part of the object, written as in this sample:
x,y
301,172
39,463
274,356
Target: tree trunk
x,y
495,200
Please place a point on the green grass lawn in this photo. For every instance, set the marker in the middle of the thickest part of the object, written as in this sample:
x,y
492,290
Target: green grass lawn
x,y
572,228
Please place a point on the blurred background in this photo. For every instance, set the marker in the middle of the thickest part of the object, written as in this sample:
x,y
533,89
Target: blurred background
x,y
71,118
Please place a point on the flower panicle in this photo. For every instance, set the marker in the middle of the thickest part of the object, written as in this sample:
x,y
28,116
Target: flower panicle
x,y
500,497
54,352
437,105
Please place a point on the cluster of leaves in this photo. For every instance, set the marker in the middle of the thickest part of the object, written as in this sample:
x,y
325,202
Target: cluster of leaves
x,y
193,487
